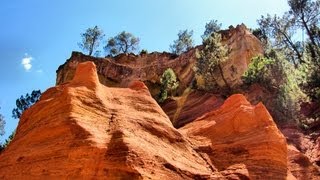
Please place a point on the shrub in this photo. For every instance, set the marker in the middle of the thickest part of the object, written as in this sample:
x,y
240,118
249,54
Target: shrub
x,y
169,83
143,51
259,72
282,79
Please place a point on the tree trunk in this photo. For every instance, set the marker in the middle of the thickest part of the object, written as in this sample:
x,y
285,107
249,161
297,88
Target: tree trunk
x,y
223,78
312,50
288,40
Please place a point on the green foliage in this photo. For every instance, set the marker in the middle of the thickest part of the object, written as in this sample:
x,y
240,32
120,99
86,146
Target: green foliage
x,y
143,51
124,42
282,32
91,40
262,36
257,71
281,78
169,83
289,95
211,27
24,102
2,124
183,43
303,50
7,141
209,60
311,83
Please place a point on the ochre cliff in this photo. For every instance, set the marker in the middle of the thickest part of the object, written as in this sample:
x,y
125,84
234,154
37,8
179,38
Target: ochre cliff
x,y
190,105
303,152
120,70
241,134
82,129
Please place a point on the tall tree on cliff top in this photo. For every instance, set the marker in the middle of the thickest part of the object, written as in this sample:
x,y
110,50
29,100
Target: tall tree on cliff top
x,y
91,39
24,102
183,43
211,27
124,42
209,60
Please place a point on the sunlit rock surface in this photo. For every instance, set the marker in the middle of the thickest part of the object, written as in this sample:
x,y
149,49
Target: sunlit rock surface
x,y
83,129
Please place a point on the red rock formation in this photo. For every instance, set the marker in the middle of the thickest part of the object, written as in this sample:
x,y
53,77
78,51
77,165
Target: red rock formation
x,y
241,134
303,153
243,47
190,105
83,129
122,69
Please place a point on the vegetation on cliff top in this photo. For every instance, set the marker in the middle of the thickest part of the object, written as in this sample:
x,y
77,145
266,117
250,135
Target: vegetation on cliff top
x,y
124,42
210,58
288,68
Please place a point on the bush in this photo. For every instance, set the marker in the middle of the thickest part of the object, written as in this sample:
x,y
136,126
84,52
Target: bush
x,y
282,79
143,51
169,83
259,72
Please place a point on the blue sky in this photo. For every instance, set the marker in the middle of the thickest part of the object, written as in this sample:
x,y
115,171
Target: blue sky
x,y
36,36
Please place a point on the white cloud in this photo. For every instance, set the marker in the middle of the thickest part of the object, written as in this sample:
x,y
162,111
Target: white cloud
x,y
26,62
39,71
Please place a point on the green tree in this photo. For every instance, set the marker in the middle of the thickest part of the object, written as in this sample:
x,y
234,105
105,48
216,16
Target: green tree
x,y
282,80
124,42
262,36
297,35
303,17
211,27
183,43
24,102
210,58
91,40
258,72
7,141
280,32
2,124
169,83
305,14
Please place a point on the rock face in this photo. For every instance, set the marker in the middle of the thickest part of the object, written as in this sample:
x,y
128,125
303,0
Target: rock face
x,y
239,134
190,105
122,69
125,68
83,129
303,153
242,47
